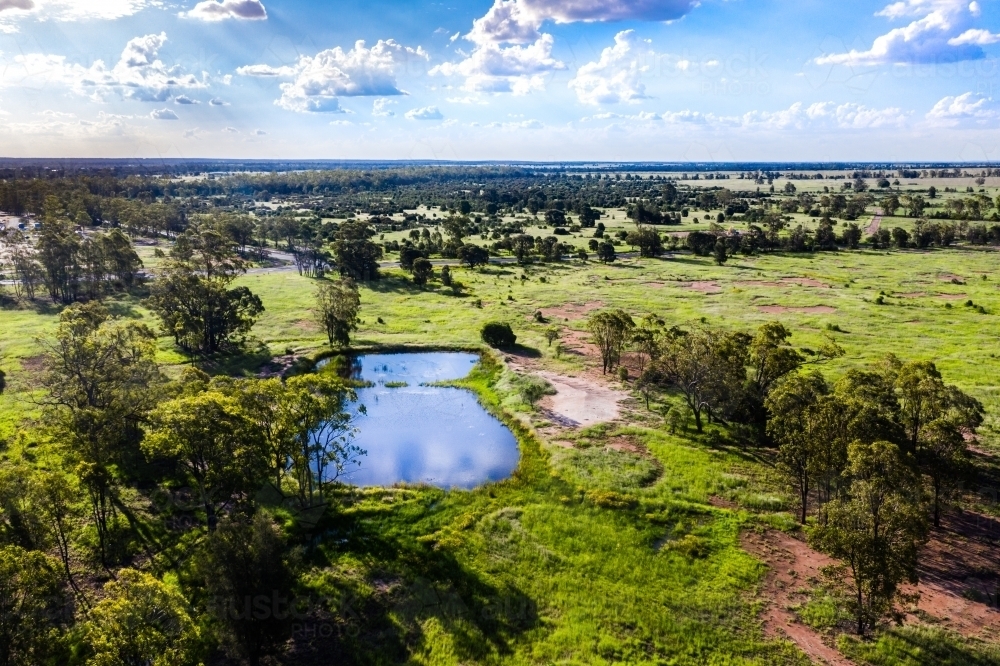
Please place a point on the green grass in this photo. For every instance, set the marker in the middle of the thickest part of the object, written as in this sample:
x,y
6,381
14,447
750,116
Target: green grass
x,y
919,646
537,569
595,555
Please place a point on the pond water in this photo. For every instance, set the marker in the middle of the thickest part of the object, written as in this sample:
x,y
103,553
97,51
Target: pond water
x,y
426,434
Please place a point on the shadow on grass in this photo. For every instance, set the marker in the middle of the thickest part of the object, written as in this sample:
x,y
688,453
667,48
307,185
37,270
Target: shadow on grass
x,y
522,351
382,615
919,646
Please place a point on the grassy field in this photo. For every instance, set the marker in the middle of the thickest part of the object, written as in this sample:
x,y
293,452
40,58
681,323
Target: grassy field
x,y
593,555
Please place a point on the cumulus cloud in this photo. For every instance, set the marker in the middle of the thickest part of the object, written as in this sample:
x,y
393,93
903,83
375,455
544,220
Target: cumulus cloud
x,y
975,36
259,132
965,109
616,77
798,116
425,113
512,54
494,68
380,107
935,35
221,10
518,125
318,81
216,101
163,114
139,74
184,99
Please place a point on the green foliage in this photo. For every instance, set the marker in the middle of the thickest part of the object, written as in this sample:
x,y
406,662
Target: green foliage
x,y
194,298
612,330
141,620
876,528
248,579
337,307
498,335
33,609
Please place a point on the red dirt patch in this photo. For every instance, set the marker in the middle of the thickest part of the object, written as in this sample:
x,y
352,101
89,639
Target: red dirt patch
x,y
757,283
703,287
953,297
626,445
811,309
791,565
949,277
572,311
33,364
957,566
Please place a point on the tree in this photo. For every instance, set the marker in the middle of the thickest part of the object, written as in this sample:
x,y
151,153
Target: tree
x,y
498,335
355,254
647,240
423,270
551,334
901,237
214,443
851,236
522,246
791,406
58,251
249,581
473,255
101,379
408,255
612,331
193,297
32,607
707,367
56,497
721,251
606,253
141,620
337,307
924,399
877,528
944,458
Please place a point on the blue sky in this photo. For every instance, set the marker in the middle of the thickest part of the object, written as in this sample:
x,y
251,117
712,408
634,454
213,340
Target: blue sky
x,y
511,79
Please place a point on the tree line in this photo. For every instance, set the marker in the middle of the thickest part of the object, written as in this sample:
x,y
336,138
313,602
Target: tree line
x,y
873,457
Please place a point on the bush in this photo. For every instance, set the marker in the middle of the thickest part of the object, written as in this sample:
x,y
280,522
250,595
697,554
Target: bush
x,y
498,335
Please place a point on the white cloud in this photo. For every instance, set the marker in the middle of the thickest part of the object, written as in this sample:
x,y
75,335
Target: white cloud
x,y
13,11
139,74
230,130
493,68
68,126
933,37
259,132
519,125
965,109
221,10
163,114
319,80
974,36
184,99
380,107
216,101
798,116
520,67
616,76
425,113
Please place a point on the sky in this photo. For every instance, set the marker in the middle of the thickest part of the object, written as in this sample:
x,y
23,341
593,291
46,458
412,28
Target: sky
x,y
541,80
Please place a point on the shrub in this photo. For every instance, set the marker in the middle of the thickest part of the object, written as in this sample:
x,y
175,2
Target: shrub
x,y
498,335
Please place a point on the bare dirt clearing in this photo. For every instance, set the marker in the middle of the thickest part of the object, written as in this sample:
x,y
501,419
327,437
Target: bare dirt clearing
x,y
792,565
572,311
580,401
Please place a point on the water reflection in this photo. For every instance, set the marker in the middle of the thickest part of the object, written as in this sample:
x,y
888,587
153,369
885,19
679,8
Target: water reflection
x,y
423,434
